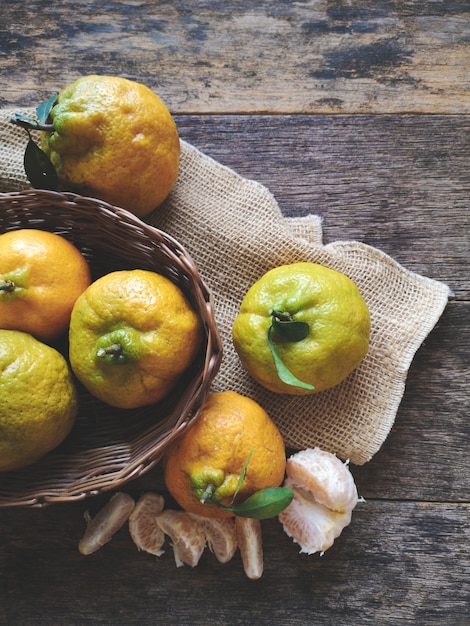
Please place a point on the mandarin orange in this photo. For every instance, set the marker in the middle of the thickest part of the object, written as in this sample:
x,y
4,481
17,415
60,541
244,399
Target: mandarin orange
x,y
232,435
41,276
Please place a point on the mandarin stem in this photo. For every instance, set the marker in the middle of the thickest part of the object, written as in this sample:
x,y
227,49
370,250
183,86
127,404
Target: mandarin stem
x,y
115,349
208,493
8,285
30,124
281,316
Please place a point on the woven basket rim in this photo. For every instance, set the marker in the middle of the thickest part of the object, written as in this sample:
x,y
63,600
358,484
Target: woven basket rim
x,y
108,467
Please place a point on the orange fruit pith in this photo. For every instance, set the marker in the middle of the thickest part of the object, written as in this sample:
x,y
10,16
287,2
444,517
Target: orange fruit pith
x,y
48,273
230,429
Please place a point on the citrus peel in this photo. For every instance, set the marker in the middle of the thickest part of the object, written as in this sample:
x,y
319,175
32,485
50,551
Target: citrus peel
x,y
132,335
32,424
301,328
41,276
105,137
227,458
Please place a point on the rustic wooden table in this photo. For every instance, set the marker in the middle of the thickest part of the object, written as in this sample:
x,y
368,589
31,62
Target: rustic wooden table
x,y
358,112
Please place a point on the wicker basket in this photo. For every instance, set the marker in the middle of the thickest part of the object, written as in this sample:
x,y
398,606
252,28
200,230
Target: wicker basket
x,y
108,447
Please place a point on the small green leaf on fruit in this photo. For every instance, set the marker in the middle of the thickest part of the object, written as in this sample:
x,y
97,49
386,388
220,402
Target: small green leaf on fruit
x,y
24,121
43,109
39,169
288,329
263,504
242,475
283,372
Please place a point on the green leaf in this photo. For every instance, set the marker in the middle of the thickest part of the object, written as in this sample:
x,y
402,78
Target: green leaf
x,y
242,475
263,504
288,329
43,109
30,124
39,169
282,371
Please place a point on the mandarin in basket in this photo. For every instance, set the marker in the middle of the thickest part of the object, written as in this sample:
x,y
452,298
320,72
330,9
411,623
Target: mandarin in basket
x,y
41,276
132,334
38,400
302,328
113,139
202,468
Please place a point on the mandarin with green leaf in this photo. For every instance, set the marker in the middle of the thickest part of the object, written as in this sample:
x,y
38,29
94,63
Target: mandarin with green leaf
x,y
302,328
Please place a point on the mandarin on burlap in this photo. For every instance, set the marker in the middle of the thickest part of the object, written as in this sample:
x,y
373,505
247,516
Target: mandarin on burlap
x,y
235,231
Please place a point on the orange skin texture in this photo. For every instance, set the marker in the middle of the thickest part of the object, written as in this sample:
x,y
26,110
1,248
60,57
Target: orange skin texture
x,y
49,274
38,399
217,446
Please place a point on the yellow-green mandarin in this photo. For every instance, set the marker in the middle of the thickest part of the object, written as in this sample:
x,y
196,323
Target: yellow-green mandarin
x,y
335,316
38,400
114,139
132,335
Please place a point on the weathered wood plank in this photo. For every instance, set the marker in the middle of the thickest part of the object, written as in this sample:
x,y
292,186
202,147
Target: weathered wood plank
x,y
425,457
399,183
313,56
388,567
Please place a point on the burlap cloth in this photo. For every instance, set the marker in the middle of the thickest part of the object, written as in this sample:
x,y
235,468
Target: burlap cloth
x,y
235,231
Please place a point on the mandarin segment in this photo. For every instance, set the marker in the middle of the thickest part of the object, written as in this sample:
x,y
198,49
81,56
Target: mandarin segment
x,y
325,476
250,543
143,527
101,528
324,496
188,539
310,524
220,536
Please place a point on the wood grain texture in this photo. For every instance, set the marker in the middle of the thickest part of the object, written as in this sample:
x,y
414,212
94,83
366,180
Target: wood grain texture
x,y
313,56
399,183
358,112
404,559
390,567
